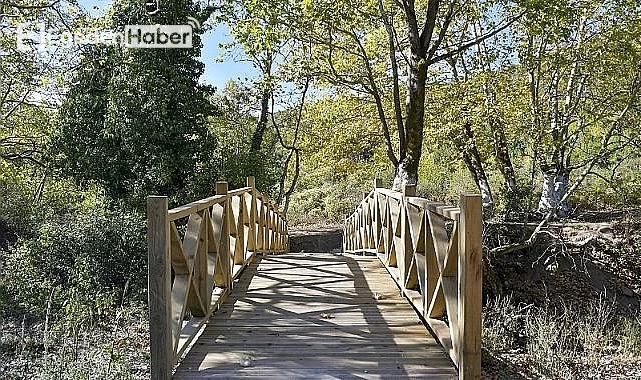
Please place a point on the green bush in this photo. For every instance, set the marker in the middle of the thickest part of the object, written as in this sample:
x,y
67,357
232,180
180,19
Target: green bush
x,y
623,190
81,263
329,203
16,209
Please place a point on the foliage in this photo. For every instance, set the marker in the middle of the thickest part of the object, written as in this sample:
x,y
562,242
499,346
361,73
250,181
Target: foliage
x,y
556,92
326,203
116,349
232,129
134,120
616,186
80,264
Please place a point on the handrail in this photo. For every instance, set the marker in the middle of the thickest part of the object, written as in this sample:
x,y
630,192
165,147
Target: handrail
x,y
195,272
434,254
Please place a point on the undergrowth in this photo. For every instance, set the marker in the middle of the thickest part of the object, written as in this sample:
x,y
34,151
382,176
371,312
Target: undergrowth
x,y
565,342
115,348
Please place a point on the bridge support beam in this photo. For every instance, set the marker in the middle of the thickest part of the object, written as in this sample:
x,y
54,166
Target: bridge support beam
x,y
470,266
159,289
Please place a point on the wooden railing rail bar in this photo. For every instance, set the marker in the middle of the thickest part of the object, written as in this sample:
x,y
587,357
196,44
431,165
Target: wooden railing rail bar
x,y
434,253
239,191
193,207
192,273
190,208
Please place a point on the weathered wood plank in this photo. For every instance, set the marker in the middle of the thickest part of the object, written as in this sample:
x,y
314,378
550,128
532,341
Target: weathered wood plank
x,y
161,338
315,316
323,373
470,266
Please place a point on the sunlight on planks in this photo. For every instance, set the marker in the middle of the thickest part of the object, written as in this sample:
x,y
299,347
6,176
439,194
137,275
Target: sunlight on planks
x,y
434,253
316,316
196,251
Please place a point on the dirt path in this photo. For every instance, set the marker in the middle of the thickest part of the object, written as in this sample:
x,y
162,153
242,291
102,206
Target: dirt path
x,y
328,239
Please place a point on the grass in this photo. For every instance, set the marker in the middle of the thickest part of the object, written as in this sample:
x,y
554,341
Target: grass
x,y
568,343
116,348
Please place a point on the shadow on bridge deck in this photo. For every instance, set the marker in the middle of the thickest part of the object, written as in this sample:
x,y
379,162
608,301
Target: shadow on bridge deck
x,y
315,316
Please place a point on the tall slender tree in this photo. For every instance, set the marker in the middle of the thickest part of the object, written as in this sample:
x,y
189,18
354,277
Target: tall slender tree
x,y
584,87
135,119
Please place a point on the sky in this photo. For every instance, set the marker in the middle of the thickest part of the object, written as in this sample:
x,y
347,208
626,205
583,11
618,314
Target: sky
x,y
216,73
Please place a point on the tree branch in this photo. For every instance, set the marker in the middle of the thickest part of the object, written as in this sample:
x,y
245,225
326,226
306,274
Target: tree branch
x,y
467,45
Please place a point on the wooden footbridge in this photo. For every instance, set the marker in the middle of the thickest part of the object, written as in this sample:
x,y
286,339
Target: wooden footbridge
x,y
403,299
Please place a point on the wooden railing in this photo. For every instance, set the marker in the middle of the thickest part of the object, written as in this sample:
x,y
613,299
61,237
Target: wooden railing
x,y
434,253
196,251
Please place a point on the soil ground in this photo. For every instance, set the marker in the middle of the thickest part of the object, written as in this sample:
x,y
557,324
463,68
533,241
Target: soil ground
x,y
319,240
597,257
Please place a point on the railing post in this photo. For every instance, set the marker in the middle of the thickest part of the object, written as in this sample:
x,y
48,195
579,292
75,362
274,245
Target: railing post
x,y
159,288
345,235
470,274
253,215
268,223
405,252
222,188
260,215
376,220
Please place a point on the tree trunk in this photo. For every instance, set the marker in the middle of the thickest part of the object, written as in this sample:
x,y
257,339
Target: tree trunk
x,y
555,184
467,145
501,150
504,161
265,64
407,169
257,137
404,176
474,165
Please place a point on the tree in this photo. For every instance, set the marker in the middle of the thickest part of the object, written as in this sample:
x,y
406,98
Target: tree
x,y
584,87
234,129
260,33
135,120
360,48
31,79
474,98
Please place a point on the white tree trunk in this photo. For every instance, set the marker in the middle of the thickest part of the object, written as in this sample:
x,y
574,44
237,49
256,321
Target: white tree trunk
x,y
403,177
486,196
555,185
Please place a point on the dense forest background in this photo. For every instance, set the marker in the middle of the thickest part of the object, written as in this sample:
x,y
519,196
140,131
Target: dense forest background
x,y
533,104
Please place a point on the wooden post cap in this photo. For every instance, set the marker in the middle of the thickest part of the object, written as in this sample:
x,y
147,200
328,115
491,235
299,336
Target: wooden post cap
x,y
378,183
221,187
251,181
409,190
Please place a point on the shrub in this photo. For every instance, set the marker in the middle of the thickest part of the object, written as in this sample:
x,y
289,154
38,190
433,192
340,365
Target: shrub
x,y
16,209
628,334
503,324
561,343
552,342
82,262
329,203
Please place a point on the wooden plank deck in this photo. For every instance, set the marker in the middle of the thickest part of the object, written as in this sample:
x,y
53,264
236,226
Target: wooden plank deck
x,y
321,316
